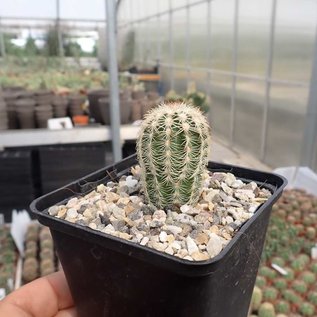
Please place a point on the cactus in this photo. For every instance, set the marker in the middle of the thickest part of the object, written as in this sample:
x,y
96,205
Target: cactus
x,y
299,286
280,283
307,309
313,267
278,261
267,272
266,310
291,296
256,298
173,148
270,294
308,277
310,233
260,281
283,307
312,298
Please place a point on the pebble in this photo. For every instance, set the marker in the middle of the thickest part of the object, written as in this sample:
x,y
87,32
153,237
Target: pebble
x,y
194,233
191,245
214,245
53,211
144,241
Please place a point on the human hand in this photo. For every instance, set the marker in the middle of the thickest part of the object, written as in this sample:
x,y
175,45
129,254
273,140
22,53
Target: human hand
x,y
48,296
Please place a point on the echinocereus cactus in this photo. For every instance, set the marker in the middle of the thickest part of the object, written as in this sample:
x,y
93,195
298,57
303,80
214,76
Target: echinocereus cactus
x,y
307,309
172,149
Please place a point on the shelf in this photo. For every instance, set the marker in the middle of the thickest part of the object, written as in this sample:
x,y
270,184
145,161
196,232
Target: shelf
x,y
34,137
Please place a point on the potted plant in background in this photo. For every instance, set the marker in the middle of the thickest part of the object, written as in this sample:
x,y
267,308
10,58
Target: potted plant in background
x,y
175,236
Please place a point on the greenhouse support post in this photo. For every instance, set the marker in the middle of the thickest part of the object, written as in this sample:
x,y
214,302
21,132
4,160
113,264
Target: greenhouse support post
x,y
113,76
59,33
310,132
2,44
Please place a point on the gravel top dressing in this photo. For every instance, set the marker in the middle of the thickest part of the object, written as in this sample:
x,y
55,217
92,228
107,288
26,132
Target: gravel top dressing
x,y
195,233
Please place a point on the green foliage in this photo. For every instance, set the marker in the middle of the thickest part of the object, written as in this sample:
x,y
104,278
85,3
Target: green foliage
x,y
51,42
30,47
173,149
128,50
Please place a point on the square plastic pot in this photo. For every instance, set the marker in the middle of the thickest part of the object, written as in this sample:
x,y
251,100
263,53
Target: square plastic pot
x,y
109,276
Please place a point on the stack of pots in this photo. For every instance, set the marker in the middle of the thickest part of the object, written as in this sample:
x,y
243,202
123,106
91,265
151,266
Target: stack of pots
x,y
76,105
60,105
125,108
10,98
43,97
142,103
25,113
42,114
3,115
43,110
94,107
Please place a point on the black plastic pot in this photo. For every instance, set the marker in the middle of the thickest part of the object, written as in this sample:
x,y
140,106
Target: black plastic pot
x,y
113,277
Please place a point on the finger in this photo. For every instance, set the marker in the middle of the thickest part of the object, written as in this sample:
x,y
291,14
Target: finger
x,y
69,312
42,298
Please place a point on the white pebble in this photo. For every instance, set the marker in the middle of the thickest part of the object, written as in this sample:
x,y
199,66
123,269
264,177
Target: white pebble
x,y
72,213
191,245
72,202
173,229
214,245
144,241
163,236
169,250
130,182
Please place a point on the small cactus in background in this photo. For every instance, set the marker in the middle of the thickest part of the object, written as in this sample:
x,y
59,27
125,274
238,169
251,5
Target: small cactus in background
x,y
266,310
280,283
260,281
313,267
299,286
307,309
308,277
291,296
256,298
290,274
282,306
270,294
278,261
312,298
267,272
173,148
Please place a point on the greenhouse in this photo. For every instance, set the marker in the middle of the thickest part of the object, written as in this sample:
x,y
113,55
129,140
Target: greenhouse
x,y
162,150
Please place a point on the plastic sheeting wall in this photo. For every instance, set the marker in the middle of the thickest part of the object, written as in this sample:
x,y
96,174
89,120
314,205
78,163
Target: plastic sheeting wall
x,y
252,57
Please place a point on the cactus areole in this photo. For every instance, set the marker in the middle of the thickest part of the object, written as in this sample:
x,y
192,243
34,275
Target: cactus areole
x,y
172,149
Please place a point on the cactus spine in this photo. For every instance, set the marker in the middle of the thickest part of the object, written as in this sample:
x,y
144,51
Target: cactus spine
x,y
172,149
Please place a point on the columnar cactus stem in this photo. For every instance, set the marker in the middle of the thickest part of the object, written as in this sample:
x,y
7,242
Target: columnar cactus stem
x,y
173,148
